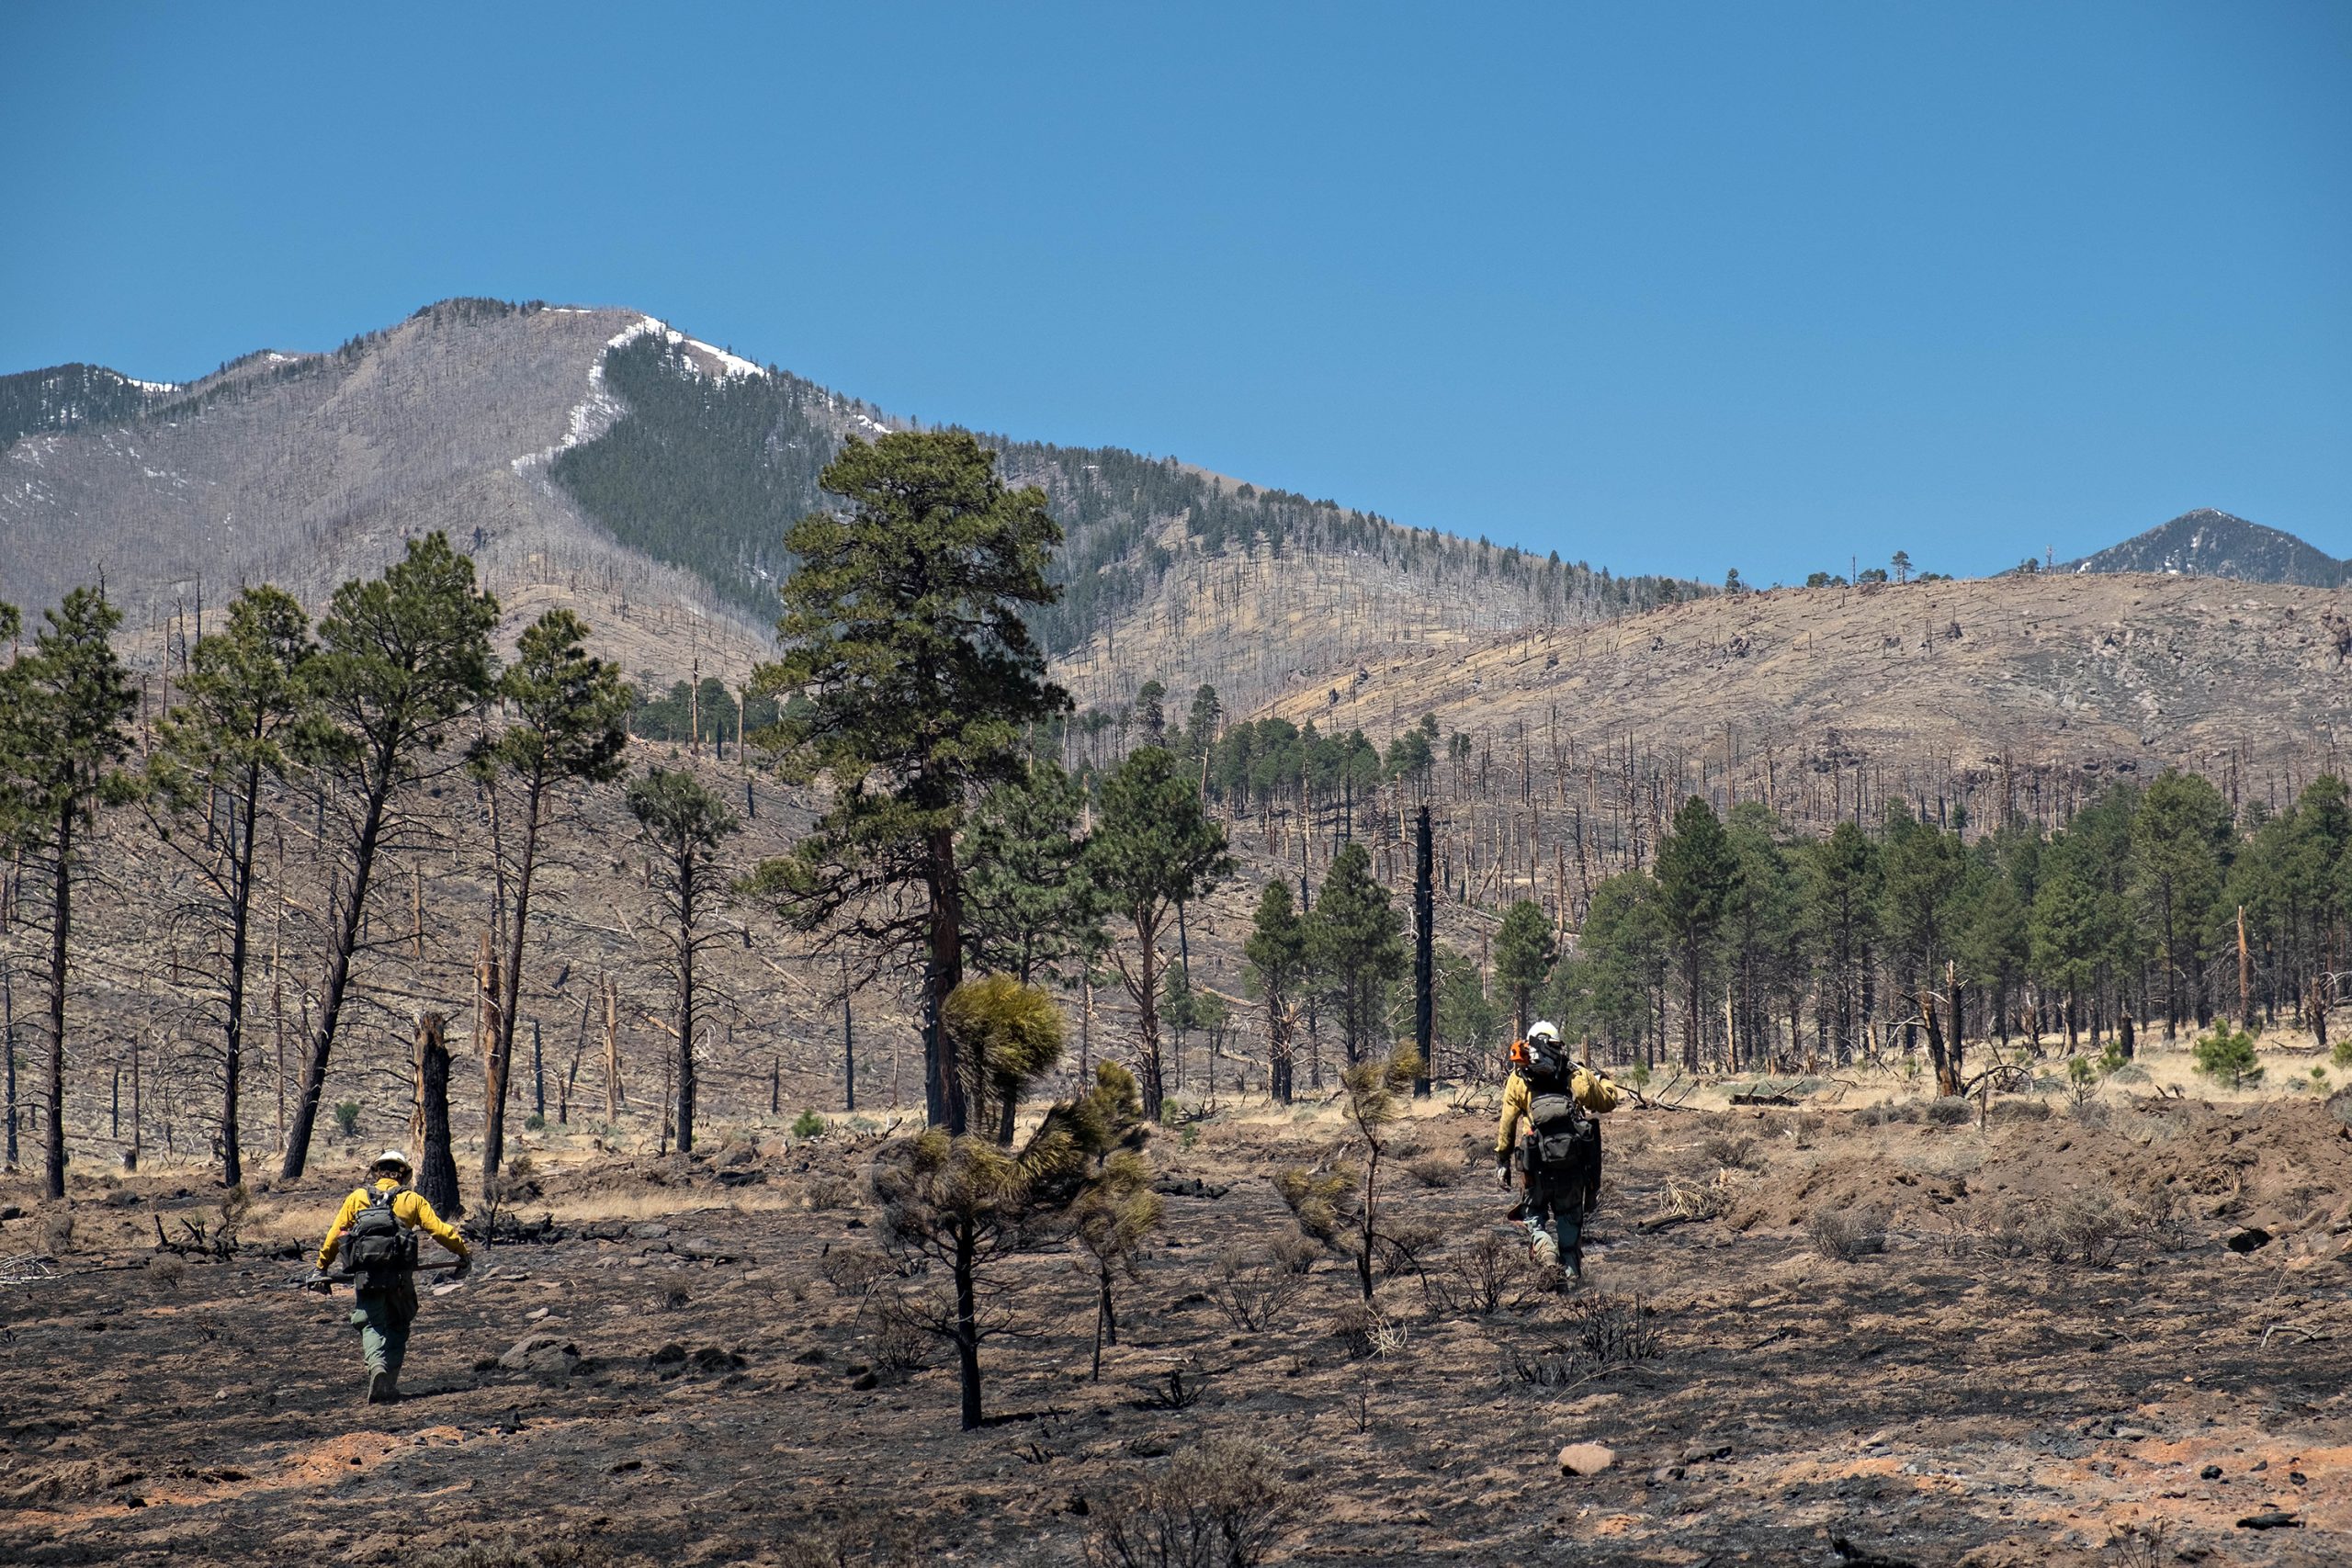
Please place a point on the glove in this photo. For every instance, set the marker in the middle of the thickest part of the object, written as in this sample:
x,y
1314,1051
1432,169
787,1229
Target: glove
x,y
465,1267
319,1282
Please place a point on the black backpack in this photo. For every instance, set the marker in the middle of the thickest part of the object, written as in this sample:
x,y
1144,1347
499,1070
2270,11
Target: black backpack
x,y
1559,1130
377,1245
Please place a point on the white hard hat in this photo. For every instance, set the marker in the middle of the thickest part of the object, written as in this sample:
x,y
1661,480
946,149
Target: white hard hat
x,y
391,1156
1544,1032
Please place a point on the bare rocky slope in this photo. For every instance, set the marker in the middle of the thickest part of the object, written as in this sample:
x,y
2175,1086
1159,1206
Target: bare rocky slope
x,y
1994,694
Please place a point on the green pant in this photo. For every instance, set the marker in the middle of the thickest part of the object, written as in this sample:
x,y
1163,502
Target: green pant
x,y
383,1319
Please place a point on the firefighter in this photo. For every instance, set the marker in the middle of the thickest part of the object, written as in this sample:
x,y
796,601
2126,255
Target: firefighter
x,y
374,1234
1550,1146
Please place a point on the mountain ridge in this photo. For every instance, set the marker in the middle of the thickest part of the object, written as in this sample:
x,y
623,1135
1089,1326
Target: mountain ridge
x,y
607,455
2208,542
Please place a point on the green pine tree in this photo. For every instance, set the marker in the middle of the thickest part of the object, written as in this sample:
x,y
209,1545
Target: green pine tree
x,y
1524,949
1276,952
243,702
681,825
1355,940
399,656
62,743
1698,872
1154,848
903,631
569,710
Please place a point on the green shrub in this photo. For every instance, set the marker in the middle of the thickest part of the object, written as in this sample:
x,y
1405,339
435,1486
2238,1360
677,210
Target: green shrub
x,y
2228,1058
346,1118
535,1122
808,1124
2342,1053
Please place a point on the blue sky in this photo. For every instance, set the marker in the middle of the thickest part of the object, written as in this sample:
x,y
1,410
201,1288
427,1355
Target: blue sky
x,y
1663,287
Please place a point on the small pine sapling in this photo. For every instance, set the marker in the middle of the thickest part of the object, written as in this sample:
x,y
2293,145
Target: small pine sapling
x,y
1375,1098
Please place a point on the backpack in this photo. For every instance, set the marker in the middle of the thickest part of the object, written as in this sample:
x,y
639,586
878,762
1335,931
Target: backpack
x,y
1560,1133
377,1245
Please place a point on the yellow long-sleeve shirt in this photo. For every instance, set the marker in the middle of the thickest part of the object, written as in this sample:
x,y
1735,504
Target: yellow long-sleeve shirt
x,y
409,1208
1592,1090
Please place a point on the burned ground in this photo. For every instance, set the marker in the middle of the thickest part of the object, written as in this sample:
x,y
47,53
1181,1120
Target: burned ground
x,y
2040,1334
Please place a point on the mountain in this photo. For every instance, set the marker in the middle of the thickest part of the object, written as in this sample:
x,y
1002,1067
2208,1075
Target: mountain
x,y
605,460
2206,543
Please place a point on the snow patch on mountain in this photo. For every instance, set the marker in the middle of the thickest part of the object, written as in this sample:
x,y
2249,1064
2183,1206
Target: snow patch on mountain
x,y
596,413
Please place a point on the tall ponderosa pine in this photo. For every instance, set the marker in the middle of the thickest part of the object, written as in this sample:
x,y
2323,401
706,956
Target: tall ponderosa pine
x,y
1154,848
1355,941
904,630
400,656
1925,874
681,825
1697,873
1524,949
1276,952
2180,843
227,743
1839,877
570,716
62,742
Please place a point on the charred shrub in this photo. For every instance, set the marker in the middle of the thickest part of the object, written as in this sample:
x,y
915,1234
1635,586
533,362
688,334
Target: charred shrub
x,y
1615,1329
1481,1276
1400,1247
1253,1287
1950,1111
1221,1504
856,1270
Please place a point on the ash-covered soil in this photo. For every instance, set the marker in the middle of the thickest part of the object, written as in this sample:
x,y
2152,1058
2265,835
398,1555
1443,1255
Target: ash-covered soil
x,y
2041,1336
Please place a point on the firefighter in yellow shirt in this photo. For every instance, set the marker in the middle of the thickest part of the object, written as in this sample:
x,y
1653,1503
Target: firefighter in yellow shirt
x,y
1549,1144
374,1233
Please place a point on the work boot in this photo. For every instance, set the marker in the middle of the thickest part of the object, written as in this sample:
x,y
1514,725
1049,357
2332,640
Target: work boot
x,y
382,1389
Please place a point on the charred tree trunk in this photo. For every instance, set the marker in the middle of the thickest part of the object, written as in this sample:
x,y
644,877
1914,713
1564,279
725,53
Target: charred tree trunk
x,y
1424,954
437,1169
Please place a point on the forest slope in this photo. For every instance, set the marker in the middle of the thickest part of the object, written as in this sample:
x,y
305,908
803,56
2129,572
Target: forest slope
x,y
1993,693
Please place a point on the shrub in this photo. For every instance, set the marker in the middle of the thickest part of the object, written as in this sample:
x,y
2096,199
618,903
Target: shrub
x,y
346,1118
1320,1200
1729,1151
2087,1228
855,1270
2341,1053
1220,1505
1615,1329
808,1124
1481,1277
1400,1246
829,1191
1950,1111
1434,1170
1252,1287
2228,1057
1702,1200
1844,1234
536,1122
1353,1327
1295,1252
